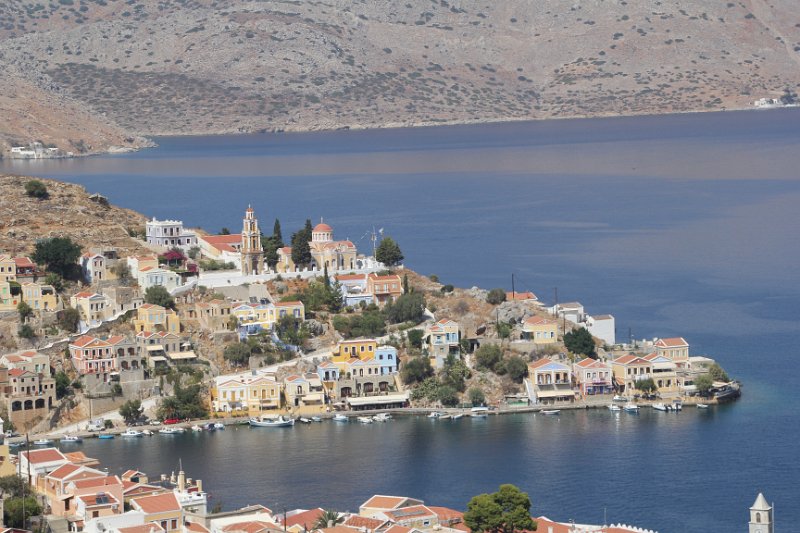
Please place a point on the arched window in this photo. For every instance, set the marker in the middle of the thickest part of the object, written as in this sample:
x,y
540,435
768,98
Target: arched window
x,y
758,518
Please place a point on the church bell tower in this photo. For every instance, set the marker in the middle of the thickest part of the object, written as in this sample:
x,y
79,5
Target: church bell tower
x,y
252,253
761,516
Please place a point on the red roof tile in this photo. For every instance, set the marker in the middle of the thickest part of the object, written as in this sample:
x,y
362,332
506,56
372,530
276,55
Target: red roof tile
x,y
159,503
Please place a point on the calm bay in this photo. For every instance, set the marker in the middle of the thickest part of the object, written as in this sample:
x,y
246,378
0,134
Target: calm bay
x,y
677,225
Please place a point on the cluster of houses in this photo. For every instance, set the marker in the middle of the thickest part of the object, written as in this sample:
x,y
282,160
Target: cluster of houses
x,y
18,283
27,388
81,497
669,365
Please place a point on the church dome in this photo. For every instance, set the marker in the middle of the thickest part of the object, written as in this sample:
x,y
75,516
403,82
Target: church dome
x,y
322,227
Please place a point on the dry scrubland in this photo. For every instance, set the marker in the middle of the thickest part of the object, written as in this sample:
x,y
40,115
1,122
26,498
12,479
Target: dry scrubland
x,y
107,70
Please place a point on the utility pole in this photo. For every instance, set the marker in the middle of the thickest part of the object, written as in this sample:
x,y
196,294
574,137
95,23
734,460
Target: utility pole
x,y
513,290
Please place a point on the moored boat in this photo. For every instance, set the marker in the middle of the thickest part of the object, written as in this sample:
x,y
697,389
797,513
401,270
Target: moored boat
x,y
42,442
365,420
340,418
434,414
219,426
71,438
702,406
631,408
196,428
304,420
105,436
614,408
170,431
267,422
457,416
131,433
147,433
479,412
659,406
316,419
551,412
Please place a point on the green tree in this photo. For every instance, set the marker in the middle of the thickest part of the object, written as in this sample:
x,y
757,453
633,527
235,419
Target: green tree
x,y
505,511
62,384
122,271
476,396
328,518
185,403
69,319
224,231
277,236
11,486
36,189
116,390
488,356
496,296
388,252
645,385
717,373
301,249
13,511
704,383
516,368
26,332
407,308
291,330
415,337
59,255
416,370
238,354
455,373
504,330
54,280
447,395
406,286
24,311
580,341
131,411
159,295
194,252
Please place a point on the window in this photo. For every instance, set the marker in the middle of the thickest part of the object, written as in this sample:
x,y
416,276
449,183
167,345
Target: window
x,y
174,523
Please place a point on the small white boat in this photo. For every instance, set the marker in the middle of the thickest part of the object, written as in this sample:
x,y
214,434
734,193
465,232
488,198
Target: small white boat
x,y
71,438
479,412
365,420
316,419
618,398
196,428
457,416
147,433
42,442
219,426
551,412
131,433
631,408
304,420
444,417
614,408
659,406
434,414
677,405
702,406
266,422
340,418
382,417
171,431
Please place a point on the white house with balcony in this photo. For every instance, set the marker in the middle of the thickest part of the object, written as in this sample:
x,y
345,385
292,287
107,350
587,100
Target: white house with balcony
x,y
169,233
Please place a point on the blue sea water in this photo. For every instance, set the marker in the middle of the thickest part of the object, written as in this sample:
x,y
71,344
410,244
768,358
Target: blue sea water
x,y
677,225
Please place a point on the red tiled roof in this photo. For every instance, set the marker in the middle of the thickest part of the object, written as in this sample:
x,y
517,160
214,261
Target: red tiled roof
x,y
446,514
322,227
197,528
398,529
362,521
629,359
518,296
233,238
91,499
414,511
538,320
384,502
103,481
144,528
159,503
63,471
83,294
47,455
288,304
672,342
249,526
305,519
17,372
24,262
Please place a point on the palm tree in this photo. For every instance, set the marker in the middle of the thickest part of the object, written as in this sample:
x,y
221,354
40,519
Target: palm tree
x,y
328,518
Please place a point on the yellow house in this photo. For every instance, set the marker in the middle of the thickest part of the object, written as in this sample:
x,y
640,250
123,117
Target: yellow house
x,y
8,268
94,308
151,317
358,348
265,315
6,465
675,348
254,394
39,296
8,301
540,330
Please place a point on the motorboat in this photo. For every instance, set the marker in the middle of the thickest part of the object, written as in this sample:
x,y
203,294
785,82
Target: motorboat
x,y
70,438
105,436
210,427
614,408
171,431
43,442
618,398
196,428
659,406
631,408
444,417
677,405
316,419
340,418
479,412
147,433
551,412
130,432
702,406
365,420
304,420
457,416
382,417
266,422
219,426
434,414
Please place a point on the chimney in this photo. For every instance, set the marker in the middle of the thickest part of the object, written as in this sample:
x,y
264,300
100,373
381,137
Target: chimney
x,y
199,485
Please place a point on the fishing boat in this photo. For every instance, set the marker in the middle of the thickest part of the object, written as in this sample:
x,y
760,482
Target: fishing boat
x,y
131,433
365,420
631,408
340,418
43,442
170,431
71,438
267,422
614,408
105,436
219,426
659,406
316,419
551,412
702,406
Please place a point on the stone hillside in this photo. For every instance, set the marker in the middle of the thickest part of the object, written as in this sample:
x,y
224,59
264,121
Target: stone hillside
x,y
67,212
210,66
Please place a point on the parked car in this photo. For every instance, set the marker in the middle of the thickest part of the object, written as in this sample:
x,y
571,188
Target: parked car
x,y
170,421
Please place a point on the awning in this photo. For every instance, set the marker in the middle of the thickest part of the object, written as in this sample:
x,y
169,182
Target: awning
x,y
378,400
554,393
313,397
158,358
182,356
155,348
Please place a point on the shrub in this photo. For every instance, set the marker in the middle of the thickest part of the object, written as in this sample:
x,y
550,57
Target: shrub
x,y
476,396
488,356
496,296
415,337
416,370
516,368
36,189
69,319
407,308
26,332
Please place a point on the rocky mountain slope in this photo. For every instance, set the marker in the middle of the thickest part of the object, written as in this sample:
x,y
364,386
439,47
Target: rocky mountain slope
x,y
67,211
211,66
